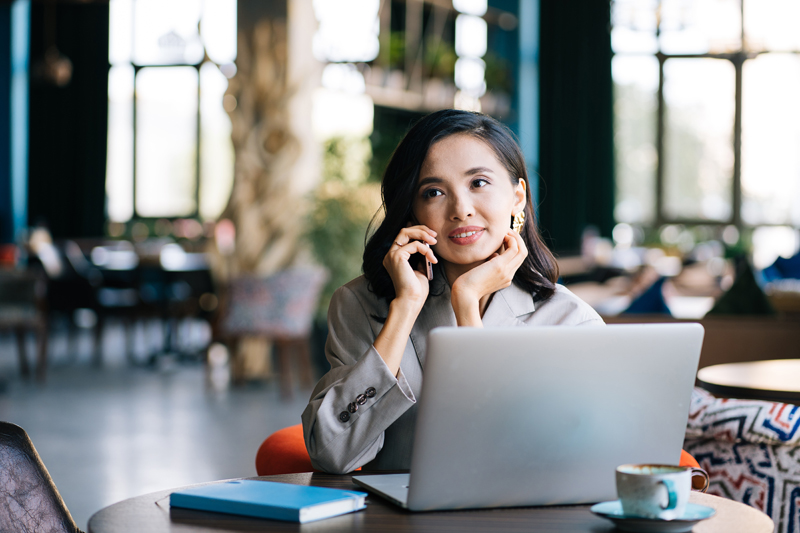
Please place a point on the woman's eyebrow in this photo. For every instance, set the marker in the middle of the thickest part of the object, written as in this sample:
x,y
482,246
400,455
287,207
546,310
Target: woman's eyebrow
x,y
478,170
426,181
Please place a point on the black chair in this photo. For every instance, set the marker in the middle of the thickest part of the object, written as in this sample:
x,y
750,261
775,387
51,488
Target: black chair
x,y
80,284
31,502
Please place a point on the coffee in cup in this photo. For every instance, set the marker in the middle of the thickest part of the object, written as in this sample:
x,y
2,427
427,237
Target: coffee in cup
x,y
656,491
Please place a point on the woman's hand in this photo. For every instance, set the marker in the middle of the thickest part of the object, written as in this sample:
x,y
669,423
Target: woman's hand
x,y
470,292
410,285
411,290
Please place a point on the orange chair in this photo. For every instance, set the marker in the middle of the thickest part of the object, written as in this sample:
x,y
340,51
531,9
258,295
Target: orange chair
x,y
284,452
688,460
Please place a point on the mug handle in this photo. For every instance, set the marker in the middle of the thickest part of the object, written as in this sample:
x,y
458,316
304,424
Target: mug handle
x,y
673,495
698,472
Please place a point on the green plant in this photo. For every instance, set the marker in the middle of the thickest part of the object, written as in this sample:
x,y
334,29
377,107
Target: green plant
x,y
343,206
498,73
440,58
397,49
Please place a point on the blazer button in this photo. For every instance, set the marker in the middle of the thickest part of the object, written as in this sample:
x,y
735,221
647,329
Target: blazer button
x,y
353,407
344,416
370,392
361,399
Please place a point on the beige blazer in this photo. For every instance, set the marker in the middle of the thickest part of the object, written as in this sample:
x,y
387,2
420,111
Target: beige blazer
x,y
360,414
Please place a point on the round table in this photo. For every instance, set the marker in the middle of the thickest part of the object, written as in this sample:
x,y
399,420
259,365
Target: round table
x,y
153,514
777,380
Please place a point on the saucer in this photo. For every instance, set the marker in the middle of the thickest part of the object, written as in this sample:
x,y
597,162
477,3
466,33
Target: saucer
x,y
691,516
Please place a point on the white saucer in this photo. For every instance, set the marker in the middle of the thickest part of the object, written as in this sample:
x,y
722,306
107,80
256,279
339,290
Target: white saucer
x,y
613,511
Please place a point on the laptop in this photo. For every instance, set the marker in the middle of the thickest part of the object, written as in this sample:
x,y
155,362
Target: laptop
x,y
543,415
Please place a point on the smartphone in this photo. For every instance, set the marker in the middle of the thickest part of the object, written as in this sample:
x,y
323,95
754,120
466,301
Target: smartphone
x,y
416,263
428,271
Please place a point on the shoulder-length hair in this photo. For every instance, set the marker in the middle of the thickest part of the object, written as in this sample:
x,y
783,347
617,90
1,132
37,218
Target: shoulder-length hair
x,y
539,272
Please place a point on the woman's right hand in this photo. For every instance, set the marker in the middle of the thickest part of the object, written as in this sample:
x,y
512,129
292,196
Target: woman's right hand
x,y
411,290
410,285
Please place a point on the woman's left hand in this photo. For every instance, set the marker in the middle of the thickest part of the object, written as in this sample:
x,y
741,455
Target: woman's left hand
x,y
496,273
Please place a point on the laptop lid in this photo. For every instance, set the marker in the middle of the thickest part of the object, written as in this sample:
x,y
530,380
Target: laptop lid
x,y
543,416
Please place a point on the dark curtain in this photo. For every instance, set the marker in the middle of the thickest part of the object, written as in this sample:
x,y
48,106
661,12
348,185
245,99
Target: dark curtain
x,y
6,212
68,125
576,122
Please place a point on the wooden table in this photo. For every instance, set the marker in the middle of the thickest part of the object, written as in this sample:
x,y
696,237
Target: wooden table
x,y
152,513
777,380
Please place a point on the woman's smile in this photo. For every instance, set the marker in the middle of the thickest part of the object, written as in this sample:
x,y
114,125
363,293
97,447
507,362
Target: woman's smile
x,y
466,235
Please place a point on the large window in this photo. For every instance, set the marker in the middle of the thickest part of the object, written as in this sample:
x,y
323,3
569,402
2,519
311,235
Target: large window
x,y
169,147
707,114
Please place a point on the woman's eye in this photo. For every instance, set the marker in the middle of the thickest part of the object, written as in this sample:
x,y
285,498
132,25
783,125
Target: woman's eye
x,y
430,193
480,182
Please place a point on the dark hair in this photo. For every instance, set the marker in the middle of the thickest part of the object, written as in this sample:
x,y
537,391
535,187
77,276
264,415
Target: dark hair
x,y
539,272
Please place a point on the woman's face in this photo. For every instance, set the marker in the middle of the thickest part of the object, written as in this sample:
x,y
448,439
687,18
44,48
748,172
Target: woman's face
x,y
466,195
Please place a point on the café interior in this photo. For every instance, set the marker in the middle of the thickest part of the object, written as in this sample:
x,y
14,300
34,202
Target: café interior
x,y
184,184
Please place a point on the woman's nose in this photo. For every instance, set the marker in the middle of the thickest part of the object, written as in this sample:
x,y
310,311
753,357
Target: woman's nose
x,y
460,207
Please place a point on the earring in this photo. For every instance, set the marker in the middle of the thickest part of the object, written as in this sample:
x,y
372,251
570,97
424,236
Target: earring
x,y
517,221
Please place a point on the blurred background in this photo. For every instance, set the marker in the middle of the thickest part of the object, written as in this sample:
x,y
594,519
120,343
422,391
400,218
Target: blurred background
x,y
183,184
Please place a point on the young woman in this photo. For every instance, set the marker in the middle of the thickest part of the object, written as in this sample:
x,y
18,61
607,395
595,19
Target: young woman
x,y
454,187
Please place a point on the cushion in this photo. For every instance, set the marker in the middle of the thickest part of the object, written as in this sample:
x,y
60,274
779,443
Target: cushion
x,y
751,421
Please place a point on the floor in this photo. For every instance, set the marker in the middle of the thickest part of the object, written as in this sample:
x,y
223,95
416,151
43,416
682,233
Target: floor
x,y
107,434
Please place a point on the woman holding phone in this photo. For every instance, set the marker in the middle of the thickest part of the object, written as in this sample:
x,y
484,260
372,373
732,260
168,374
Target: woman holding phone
x,y
457,245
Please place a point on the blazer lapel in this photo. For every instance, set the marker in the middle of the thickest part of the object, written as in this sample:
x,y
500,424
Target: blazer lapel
x,y
437,312
507,306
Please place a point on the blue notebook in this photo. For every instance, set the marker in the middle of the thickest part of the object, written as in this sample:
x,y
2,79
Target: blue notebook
x,y
267,499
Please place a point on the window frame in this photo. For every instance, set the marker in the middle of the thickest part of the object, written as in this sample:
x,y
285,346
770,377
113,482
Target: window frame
x,y
195,214
738,59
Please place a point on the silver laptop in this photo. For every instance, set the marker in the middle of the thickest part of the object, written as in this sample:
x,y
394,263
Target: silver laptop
x,y
543,415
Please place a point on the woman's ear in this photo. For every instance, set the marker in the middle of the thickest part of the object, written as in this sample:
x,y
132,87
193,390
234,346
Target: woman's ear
x,y
520,196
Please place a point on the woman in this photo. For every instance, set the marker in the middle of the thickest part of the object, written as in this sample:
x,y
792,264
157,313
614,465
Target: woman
x,y
451,191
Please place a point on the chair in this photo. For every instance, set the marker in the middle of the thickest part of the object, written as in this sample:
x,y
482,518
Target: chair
x,y
279,307
31,502
21,311
284,452
751,451
74,282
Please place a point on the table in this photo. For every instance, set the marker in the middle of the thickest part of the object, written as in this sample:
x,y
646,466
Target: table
x,y
776,380
152,513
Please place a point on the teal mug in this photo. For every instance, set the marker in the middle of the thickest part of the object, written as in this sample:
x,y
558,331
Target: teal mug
x,y
656,491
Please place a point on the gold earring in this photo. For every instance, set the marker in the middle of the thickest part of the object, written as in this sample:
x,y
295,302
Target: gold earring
x,y
518,221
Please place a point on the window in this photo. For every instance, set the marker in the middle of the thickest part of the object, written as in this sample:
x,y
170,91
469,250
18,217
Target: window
x,y
169,148
707,119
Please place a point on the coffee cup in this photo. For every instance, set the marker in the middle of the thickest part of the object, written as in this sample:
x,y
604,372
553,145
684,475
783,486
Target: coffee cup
x,y
656,491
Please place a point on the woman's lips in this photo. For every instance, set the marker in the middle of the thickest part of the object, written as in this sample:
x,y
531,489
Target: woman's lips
x,y
468,235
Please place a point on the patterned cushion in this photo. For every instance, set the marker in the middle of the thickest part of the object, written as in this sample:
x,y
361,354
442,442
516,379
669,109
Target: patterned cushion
x,y
749,421
281,305
751,451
